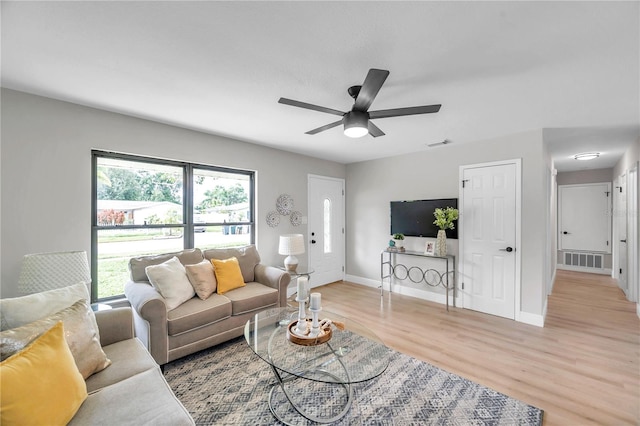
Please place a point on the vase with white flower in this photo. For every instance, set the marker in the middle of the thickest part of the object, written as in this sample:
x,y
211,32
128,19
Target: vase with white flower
x,y
444,220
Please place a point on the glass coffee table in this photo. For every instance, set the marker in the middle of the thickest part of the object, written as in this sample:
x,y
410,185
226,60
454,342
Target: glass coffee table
x,y
327,370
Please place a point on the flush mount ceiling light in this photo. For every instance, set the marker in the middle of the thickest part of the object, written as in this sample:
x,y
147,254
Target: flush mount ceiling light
x,y
586,156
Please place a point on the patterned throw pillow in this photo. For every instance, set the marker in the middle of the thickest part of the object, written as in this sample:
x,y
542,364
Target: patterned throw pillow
x,y
81,334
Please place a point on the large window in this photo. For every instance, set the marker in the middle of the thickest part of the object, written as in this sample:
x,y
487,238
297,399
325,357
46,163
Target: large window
x,y
144,206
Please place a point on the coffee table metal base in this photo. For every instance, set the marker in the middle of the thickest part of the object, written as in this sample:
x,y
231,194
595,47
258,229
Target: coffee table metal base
x,y
281,384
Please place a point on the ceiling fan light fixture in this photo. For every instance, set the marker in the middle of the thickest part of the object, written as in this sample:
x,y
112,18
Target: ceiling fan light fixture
x,y
356,124
586,156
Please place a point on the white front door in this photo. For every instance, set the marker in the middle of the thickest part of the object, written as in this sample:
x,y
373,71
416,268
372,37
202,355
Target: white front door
x,y
326,229
489,218
585,221
620,216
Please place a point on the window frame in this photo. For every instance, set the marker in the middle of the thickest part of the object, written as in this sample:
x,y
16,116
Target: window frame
x,y
187,224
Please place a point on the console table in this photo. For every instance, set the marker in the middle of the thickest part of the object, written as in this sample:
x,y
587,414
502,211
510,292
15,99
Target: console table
x,y
430,277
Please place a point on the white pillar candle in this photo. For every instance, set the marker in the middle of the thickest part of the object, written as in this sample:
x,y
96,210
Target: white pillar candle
x,y
302,288
315,301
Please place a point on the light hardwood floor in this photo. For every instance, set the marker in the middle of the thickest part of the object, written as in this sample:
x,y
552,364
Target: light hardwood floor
x,y
582,368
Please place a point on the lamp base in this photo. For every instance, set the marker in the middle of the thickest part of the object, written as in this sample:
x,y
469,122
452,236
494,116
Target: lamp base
x,y
291,263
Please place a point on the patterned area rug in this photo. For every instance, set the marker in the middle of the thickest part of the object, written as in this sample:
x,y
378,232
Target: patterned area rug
x,y
229,385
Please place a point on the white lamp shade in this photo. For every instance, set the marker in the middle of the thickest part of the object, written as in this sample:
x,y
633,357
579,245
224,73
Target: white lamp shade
x,y
291,244
48,271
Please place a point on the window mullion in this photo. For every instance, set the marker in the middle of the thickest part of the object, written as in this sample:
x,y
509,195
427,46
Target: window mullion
x,y
188,206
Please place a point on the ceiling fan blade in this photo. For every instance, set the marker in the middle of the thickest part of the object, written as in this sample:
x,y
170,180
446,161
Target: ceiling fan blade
x,y
397,112
309,106
375,130
370,88
323,128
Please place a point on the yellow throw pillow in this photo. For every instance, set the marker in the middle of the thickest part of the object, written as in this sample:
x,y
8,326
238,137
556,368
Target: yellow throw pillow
x,y
228,274
41,384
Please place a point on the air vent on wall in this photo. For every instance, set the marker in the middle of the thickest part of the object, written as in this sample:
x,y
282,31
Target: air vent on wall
x,y
583,260
444,142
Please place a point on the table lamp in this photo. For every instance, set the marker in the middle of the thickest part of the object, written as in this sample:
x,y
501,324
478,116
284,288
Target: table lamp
x,y
48,271
290,245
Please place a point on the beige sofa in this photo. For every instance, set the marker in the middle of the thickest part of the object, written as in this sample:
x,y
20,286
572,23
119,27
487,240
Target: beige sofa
x,y
198,324
132,390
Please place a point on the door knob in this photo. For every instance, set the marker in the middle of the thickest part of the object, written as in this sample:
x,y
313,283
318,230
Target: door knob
x,y
623,241
313,241
565,233
508,249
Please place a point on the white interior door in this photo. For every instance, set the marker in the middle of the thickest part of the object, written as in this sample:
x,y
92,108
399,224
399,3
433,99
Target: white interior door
x,y
489,222
585,221
326,229
621,233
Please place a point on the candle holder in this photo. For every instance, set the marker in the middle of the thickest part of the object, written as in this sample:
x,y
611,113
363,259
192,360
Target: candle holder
x,y
315,325
301,326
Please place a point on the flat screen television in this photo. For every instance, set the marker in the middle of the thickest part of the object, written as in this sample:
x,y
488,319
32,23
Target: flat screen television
x,y
415,218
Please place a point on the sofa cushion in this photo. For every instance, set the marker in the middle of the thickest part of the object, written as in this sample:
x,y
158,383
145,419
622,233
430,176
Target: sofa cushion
x,y
41,384
251,297
80,331
137,265
22,310
196,313
170,279
143,399
202,278
247,256
129,357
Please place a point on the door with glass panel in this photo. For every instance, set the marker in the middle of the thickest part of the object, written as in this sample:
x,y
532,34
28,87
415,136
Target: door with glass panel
x,y
325,234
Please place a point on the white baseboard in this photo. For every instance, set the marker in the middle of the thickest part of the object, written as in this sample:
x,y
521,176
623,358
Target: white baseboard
x,y
533,319
638,309
407,291
588,270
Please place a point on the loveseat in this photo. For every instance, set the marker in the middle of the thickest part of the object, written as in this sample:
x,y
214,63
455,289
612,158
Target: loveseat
x,y
199,323
102,376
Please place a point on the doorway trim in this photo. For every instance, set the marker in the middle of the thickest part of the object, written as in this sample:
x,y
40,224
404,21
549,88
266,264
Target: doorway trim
x,y
518,243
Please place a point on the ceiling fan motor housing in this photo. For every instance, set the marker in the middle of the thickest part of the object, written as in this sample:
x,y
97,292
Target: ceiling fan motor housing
x,y
354,91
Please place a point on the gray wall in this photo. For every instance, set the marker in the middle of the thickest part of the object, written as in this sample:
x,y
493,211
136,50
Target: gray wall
x,y
46,173
585,176
371,185
630,157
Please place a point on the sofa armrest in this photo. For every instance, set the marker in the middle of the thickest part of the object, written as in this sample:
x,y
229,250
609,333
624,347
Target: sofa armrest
x,y
275,278
150,318
115,325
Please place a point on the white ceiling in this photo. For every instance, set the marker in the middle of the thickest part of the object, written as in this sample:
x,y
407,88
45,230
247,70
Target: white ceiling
x,y
219,67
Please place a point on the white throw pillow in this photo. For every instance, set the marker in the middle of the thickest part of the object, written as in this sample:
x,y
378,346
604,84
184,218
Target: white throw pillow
x,y
18,311
170,279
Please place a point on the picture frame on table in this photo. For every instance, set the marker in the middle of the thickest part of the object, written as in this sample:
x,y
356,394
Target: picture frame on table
x,y
430,248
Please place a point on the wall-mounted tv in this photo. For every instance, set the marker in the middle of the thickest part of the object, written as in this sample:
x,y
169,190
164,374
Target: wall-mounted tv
x,y
415,218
